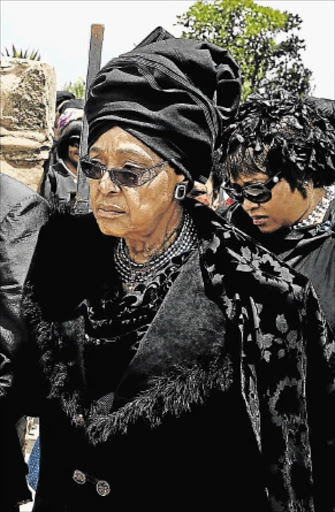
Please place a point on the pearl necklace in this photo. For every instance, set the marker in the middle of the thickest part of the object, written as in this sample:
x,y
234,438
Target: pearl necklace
x,y
134,273
317,215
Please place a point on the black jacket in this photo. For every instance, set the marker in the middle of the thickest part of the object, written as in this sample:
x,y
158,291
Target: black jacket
x,y
22,213
217,405
58,186
310,251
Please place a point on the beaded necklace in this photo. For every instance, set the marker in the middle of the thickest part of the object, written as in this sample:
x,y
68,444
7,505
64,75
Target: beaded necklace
x,y
317,215
135,273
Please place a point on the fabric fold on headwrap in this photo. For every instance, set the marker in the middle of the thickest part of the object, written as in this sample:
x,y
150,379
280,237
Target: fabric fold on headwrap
x,y
174,95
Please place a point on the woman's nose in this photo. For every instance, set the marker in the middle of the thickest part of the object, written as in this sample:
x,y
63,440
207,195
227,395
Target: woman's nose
x,y
248,205
106,185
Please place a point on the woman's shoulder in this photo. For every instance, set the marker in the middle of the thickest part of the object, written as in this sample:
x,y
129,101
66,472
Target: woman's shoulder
x,y
66,230
17,196
71,237
67,259
238,261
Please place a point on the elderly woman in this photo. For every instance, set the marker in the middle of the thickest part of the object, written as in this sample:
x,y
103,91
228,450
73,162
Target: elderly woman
x,y
171,366
280,169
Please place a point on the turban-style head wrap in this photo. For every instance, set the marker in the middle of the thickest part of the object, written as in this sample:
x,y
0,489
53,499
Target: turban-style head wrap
x,y
174,95
62,96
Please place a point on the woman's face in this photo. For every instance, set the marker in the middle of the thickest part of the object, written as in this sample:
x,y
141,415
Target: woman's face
x,y
282,210
73,153
131,212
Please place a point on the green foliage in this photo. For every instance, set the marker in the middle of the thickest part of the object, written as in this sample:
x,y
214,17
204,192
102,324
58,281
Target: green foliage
x,y
20,54
262,40
78,88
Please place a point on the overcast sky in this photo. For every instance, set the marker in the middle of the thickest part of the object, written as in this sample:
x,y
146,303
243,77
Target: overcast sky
x,y
60,30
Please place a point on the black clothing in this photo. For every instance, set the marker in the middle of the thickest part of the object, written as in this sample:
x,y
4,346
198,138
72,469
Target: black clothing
x,y
22,213
309,250
58,186
325,106
216,404
117,322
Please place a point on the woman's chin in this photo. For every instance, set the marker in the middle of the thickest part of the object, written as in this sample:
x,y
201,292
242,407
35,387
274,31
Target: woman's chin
x,y
107,228
268,229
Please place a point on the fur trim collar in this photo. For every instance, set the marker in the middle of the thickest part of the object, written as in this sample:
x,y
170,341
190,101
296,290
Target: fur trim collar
x,y
229,268
174,394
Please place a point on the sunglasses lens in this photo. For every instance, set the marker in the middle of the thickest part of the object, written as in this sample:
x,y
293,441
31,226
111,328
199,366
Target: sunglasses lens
x,y
74,142
257,193
91,170
125,178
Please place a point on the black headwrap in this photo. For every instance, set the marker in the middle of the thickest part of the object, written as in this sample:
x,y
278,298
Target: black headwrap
x,y
63,96
174,95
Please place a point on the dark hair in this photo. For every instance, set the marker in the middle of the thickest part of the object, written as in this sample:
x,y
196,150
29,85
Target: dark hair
x,y
216,172
281,132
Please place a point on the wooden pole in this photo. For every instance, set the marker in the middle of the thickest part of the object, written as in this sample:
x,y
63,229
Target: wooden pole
x,y
94,62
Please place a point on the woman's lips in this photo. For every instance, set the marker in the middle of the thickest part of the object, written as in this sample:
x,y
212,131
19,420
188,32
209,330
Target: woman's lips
x,y
258,221
109,211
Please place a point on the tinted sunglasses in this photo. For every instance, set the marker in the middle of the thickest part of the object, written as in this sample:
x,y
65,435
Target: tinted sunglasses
x,y
74,141
128,176
254,192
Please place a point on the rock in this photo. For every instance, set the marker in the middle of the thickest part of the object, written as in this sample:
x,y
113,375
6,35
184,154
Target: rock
x,y
27,110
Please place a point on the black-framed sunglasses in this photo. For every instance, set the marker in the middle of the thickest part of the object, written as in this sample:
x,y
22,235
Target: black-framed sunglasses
x,y
128,176
255,192
74,141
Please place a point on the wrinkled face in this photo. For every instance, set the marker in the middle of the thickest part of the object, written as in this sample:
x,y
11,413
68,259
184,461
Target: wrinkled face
x,y
130,212
282,210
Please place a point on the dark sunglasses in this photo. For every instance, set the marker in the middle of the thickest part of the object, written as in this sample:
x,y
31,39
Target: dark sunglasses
x,y
254,192
74,141
128,176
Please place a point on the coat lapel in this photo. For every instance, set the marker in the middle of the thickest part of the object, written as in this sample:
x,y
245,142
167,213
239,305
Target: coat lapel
x,y
187,331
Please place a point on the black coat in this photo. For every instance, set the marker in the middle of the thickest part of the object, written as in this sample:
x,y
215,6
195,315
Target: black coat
x,y
310,251
58,186
22,213
215,408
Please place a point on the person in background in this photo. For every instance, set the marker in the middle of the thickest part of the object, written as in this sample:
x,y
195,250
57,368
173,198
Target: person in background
x,y
61,98
59,185
174,358
280,170
22,213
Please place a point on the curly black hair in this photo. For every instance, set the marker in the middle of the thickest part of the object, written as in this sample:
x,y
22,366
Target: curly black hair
x,y
281,132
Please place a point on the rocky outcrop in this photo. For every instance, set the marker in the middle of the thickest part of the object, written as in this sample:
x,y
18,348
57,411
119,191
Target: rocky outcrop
x,y
27,110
